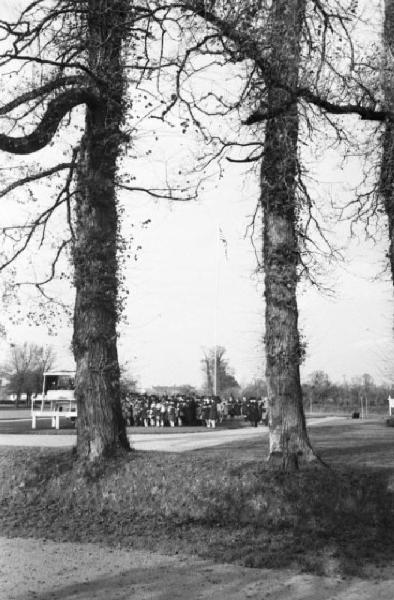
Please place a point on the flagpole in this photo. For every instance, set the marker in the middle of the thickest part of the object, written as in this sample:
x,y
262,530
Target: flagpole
x,y
215,333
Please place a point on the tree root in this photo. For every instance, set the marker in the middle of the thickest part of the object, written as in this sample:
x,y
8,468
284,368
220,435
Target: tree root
x,y
289,462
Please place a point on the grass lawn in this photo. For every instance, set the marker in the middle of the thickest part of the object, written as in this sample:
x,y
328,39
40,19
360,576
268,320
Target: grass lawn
x,y
222,502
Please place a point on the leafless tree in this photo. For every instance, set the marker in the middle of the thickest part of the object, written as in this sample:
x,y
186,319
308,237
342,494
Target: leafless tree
x,y
305,71
217,373
269,37
26,365
66,56
86,74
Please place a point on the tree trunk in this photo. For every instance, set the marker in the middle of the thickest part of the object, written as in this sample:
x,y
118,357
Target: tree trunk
x,y
387,188
100,425
387,164
288,436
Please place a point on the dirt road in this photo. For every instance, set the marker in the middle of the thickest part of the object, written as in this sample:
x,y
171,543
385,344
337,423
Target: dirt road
x,y
45,570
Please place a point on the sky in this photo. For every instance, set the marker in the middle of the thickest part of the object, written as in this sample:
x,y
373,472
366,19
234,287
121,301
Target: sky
x,y
194,283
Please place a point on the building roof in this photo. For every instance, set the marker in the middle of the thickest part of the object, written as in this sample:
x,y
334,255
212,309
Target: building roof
x,y
69,373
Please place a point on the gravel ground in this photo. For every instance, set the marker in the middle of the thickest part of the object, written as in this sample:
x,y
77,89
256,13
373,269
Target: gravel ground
x,y
44,570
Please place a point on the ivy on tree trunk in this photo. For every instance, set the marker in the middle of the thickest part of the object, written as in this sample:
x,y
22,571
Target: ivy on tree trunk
x,y
100,425
99,33
287,430
387,161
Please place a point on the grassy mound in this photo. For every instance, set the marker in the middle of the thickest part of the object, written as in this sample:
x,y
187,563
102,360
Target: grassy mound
x,y
221,505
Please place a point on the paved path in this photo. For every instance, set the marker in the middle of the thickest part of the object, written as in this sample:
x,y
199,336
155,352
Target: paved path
x,y
45,570
176,442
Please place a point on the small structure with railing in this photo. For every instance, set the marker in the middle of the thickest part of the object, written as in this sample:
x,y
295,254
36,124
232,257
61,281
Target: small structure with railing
x,y
57,398
391,405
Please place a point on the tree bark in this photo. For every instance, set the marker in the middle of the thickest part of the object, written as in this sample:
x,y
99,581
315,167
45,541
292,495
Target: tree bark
x,y
100,425
288,437
387,161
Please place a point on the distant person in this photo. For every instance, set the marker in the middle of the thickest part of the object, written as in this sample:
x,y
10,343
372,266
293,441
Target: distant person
x,y
130,415
223,414
163,412
253,414
171,414
213,414
205,412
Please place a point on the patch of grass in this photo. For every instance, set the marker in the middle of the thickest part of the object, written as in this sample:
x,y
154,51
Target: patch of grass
x,y
368,444
223,503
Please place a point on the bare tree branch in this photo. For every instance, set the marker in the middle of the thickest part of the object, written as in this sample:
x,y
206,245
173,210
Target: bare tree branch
x,y
55,84
42,135
157,194
34,177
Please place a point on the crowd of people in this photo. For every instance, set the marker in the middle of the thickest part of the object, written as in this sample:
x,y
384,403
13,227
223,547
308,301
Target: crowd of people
x,y
143,410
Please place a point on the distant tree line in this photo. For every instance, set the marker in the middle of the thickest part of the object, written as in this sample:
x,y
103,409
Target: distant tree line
x,y
320,393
